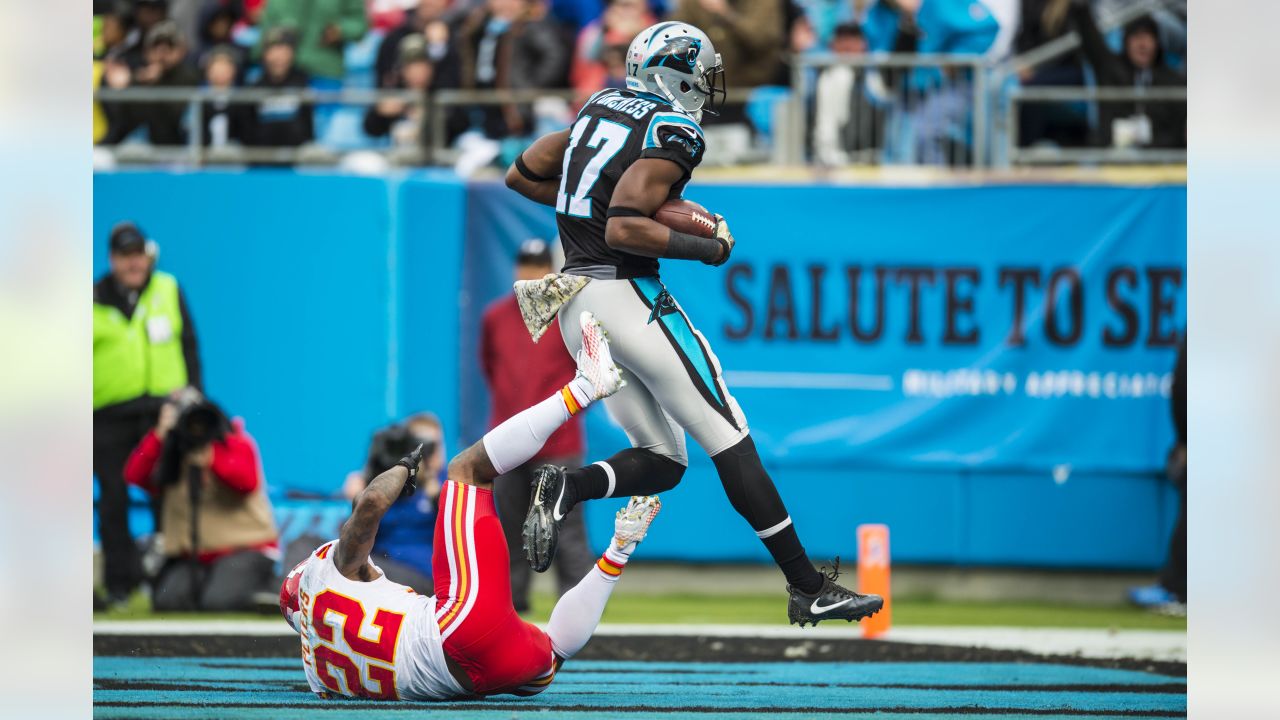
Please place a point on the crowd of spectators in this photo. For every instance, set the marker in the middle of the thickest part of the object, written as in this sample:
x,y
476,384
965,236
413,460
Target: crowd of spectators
x,y
579,45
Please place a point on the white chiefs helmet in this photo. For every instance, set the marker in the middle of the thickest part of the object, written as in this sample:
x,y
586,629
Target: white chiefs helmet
x,y
677,61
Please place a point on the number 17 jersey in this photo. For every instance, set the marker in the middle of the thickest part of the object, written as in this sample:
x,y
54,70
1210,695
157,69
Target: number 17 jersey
x,y
613,130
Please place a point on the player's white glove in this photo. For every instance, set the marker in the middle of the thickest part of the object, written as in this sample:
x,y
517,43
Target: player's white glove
x,y
725,238
632,522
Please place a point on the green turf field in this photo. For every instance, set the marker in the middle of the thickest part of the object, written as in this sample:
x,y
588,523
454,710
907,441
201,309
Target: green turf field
x,y
770,610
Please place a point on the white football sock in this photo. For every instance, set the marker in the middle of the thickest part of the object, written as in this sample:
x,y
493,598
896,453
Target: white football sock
x,y
512,443
582,390
577,613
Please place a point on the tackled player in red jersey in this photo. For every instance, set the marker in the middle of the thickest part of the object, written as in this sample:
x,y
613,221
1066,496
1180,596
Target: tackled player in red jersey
x,y
365,636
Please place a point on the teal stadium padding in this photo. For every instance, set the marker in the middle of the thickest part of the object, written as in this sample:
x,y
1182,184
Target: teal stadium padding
x,y
328,305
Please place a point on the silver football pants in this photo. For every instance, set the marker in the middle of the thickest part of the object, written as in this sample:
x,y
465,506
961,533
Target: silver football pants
x,y
674,381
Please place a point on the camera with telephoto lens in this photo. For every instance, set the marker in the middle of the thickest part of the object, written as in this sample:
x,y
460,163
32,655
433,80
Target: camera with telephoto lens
x,y
392,443
200,422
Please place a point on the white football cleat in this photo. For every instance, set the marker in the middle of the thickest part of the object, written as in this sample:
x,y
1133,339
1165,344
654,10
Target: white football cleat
x,y
595,362
632,521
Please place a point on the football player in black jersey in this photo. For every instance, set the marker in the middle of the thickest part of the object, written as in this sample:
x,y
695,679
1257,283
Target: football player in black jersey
x,y
628,152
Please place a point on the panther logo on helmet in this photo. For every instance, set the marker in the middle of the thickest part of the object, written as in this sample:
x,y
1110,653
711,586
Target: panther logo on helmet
x,y
677,61
677,53
691,54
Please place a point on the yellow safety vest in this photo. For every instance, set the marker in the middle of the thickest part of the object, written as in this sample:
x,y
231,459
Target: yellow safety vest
x,y
141,355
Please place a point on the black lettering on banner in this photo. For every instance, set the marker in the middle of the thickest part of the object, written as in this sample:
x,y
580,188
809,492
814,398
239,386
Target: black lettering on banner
x,y
1075,317
854,274
781,305
816,331
1162,305
1123,308
1020,277
914,277
739,270
958,305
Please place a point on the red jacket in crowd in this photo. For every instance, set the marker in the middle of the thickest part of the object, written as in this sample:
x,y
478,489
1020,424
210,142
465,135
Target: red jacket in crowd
x,y
235,461
522,373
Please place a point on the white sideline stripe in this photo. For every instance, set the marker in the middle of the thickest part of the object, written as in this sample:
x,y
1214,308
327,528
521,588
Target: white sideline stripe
x,y
808,381
1166,645
256,628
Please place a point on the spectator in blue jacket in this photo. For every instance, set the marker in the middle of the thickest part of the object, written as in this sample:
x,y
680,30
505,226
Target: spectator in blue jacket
x,y
403,544
938,117
953,27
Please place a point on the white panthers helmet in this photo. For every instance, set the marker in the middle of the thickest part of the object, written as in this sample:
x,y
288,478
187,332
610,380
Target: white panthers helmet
x,y
677,61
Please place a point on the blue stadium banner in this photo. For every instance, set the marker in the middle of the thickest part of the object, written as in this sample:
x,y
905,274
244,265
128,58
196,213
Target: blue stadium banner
x,y
1019,328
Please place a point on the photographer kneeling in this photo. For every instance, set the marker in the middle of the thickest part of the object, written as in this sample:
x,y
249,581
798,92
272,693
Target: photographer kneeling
x,y
206,473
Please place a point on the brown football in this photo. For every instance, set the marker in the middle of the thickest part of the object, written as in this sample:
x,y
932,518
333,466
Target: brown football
x,y
687,217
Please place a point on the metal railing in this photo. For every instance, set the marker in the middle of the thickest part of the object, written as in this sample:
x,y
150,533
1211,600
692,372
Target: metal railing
x,y
1040,155
958,111
911,109
433,149
196,152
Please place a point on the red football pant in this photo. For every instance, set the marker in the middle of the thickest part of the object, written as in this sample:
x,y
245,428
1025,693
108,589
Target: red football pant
x,y
479,626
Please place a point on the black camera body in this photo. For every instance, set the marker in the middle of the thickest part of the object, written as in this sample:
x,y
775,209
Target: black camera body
x,y
389,445
200,422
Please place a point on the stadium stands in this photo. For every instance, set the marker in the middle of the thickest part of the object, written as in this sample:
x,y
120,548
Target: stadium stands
x,y
967,84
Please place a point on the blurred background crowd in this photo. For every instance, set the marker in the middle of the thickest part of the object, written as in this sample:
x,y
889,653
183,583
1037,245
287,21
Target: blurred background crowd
x,y
898,90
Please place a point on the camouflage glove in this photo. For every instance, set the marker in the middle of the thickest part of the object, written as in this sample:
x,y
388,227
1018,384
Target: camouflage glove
x,y
725,238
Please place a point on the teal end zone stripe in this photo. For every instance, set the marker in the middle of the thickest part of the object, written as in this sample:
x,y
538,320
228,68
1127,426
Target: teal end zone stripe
x,y
686,342
673,118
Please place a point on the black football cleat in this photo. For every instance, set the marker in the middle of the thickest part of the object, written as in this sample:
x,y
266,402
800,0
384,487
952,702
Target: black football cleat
x,y
550,499
832,602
